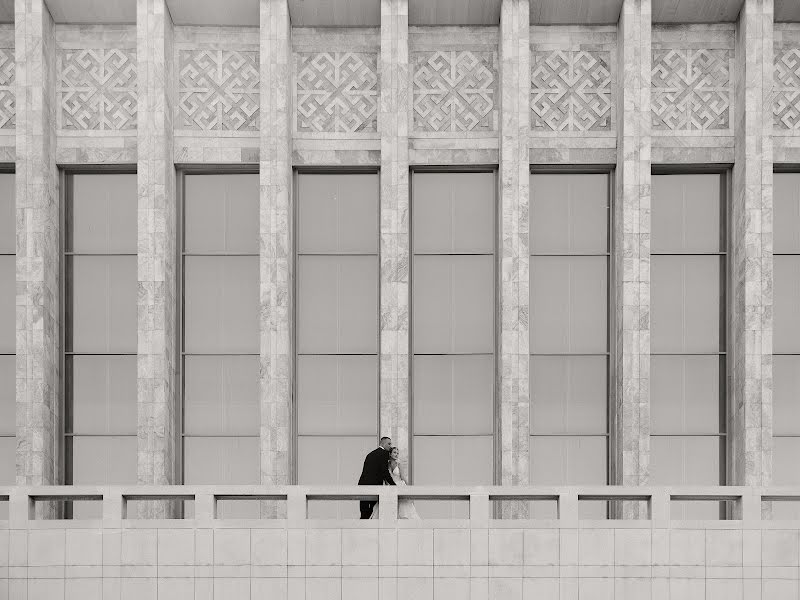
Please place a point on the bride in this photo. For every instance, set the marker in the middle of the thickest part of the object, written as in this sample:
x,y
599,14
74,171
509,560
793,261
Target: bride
x,y
405,507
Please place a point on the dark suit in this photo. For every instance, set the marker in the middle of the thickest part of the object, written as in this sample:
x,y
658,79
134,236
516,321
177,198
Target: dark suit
x,y
375,472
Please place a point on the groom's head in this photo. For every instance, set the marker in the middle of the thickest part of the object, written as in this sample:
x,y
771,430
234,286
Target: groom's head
x,y
386,443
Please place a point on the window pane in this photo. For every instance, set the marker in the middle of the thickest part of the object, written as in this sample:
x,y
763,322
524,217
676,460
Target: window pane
x,y
221,461
103,303
8,300
685,303
569,394
337,304
685,394
453,304
787,304
786,395
451,460
103,394
569,460
569,213
332,461
8,217
569,304
453,213
8,448
338,213
8,388
221,395
686,213
103,214
337,395
786,200
221,301
453,394
785,450
688,460
221,213
107,460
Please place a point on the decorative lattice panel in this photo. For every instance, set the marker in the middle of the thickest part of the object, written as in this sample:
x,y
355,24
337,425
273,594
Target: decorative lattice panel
x,y
97,88
336,92
455,90
787,88
218,90
691,89
571,90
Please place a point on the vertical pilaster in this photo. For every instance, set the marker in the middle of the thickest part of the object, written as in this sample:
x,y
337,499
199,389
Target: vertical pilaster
x,y
38,249
158,429
751,253
276,243
393,118
630,435
513,351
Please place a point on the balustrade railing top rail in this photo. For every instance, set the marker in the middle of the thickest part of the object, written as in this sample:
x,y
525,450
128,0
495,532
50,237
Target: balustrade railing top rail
x,y
746,501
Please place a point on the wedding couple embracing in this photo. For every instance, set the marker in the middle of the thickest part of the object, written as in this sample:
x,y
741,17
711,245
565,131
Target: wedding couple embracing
x,y
382,467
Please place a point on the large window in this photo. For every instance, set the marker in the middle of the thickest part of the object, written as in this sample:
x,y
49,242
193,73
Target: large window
x,y
687,367
569,241
786,339
453,297
220,339
337,330
100,330
7,330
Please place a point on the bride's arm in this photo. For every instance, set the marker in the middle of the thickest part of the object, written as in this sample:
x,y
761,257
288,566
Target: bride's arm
x,y
402,474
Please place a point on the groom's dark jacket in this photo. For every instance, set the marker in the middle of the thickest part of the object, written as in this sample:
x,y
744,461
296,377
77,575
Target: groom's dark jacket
x,y
376,469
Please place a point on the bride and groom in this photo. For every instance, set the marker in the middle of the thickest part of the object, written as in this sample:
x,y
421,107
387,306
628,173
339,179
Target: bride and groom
x,y
382,467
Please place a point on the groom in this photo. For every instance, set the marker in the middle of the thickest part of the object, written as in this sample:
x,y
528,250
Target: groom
x,y
375,472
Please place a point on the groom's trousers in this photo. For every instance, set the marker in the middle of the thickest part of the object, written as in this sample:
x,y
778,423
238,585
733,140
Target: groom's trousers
x,y
366,508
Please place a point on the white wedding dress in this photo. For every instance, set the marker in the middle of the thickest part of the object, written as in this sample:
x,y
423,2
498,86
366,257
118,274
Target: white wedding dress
x,y
405,507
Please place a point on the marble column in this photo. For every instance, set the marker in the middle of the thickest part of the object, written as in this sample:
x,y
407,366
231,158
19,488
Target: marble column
x,y
751,262
276,244
513,222
393,119
158,427
630,431
38,362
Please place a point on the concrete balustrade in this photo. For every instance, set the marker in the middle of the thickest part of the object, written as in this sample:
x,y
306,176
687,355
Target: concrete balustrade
x,y
122,556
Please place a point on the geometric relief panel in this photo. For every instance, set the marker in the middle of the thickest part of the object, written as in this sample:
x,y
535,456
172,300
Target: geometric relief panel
x,y
7,75
571,90
454,90
691,89
218,90
786,107
336,92
97,88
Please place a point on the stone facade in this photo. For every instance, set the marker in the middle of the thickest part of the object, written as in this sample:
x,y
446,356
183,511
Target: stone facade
x,y
38,212
393,122
273,97
630,442
158,431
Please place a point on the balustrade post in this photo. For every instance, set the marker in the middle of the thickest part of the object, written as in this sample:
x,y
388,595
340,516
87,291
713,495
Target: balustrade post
x,y
113,509
387,506
296,504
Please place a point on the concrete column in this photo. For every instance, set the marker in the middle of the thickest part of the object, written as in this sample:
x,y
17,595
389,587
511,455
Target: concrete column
x,y
513,280
630,433
393,116
158,428
751,251
276,244
38,250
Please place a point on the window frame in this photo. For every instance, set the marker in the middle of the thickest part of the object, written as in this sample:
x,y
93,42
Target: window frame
x,y
609,170
9,169
725,173
294,434
66,177
181,171
496,319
